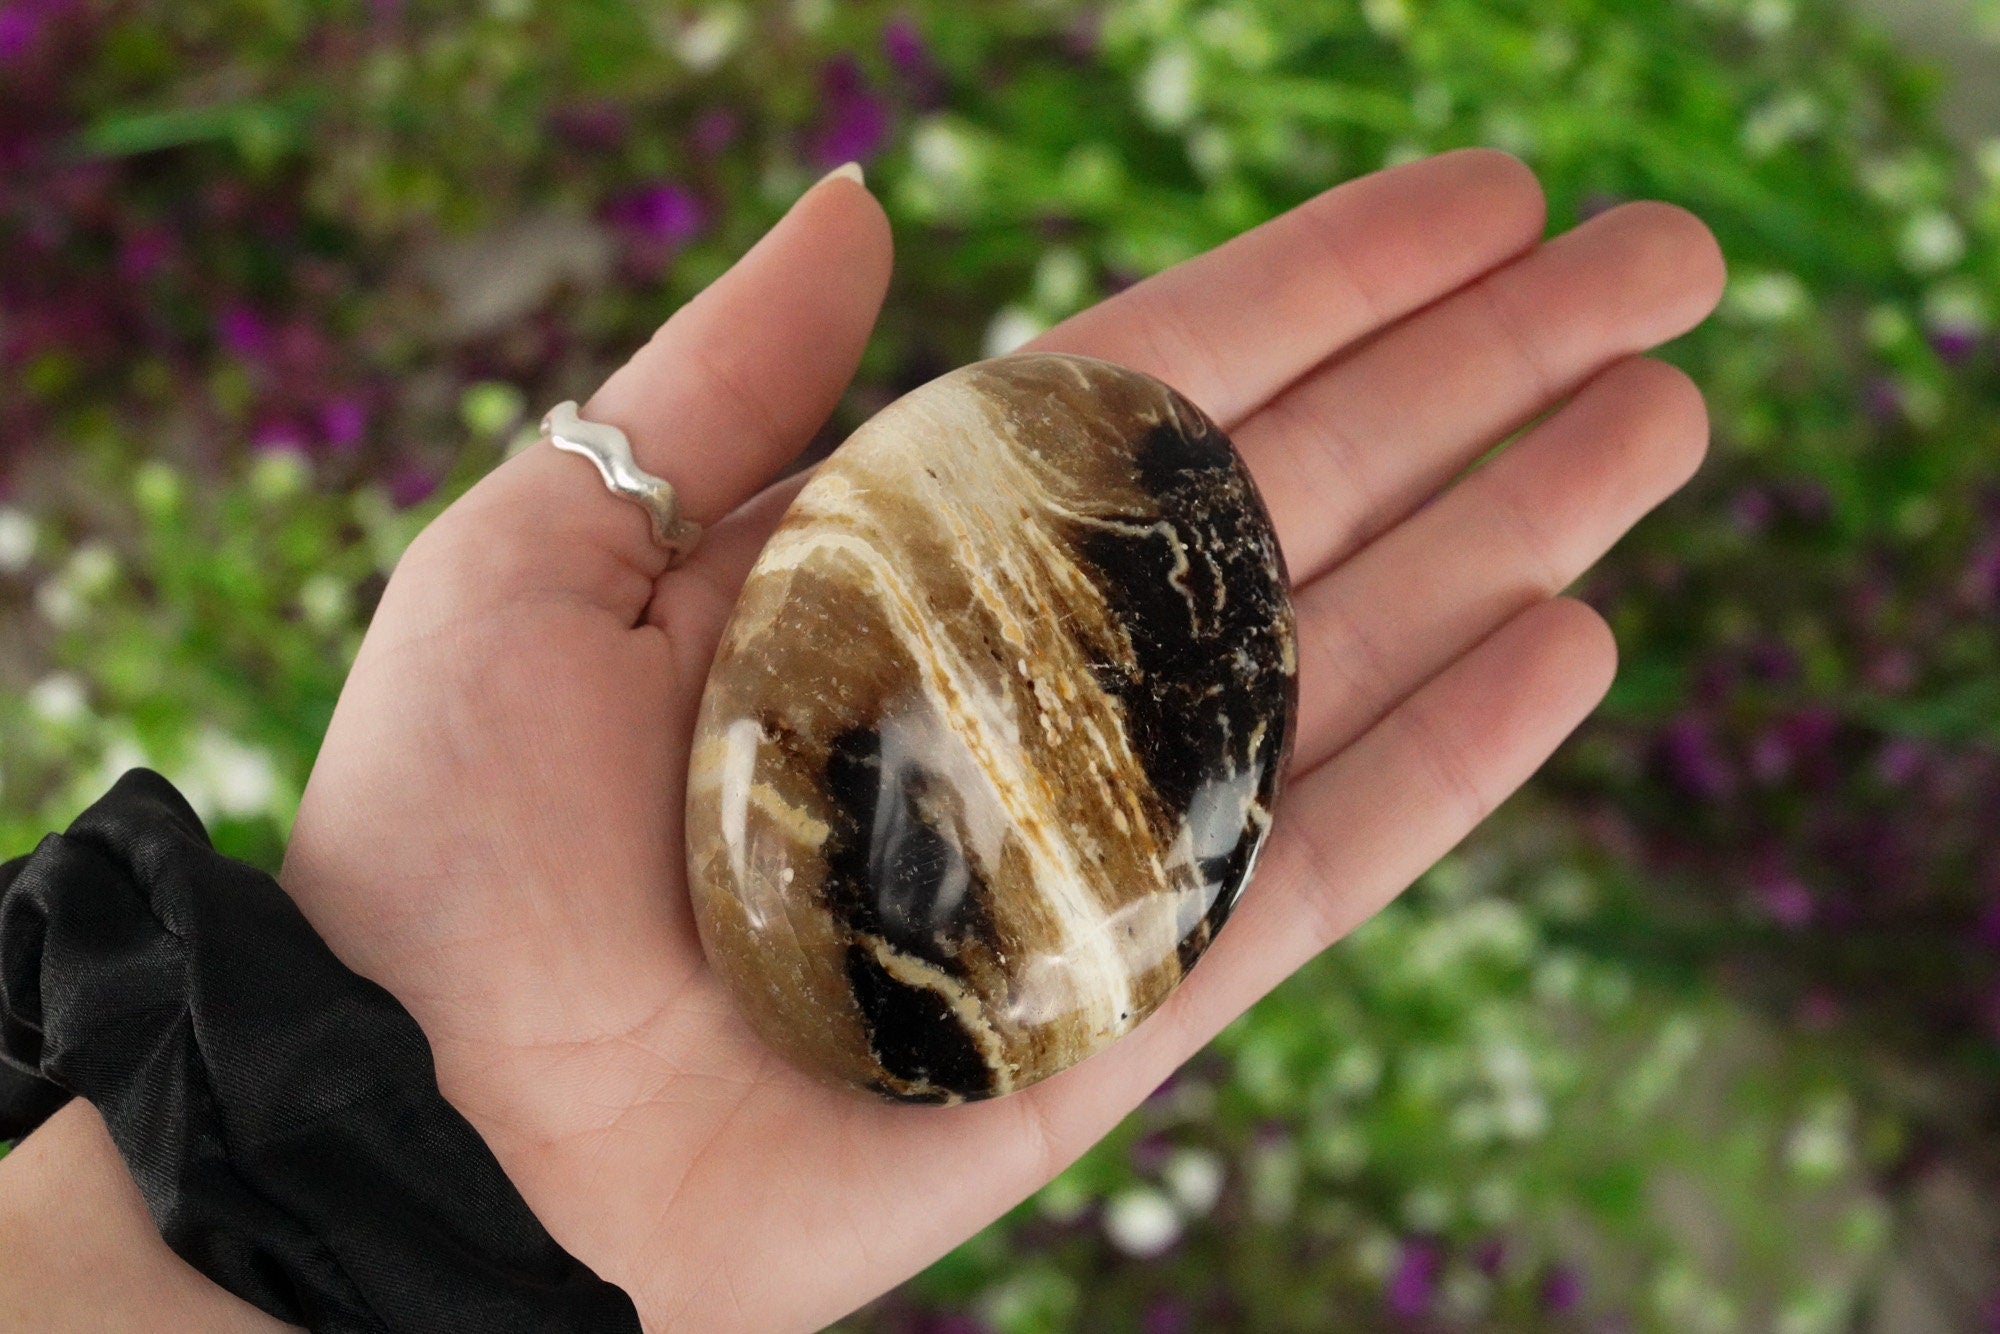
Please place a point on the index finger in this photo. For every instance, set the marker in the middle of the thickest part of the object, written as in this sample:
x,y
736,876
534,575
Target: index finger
x,y
1233,327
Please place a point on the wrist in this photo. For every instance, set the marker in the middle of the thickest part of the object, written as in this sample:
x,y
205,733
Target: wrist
x,y
80,1251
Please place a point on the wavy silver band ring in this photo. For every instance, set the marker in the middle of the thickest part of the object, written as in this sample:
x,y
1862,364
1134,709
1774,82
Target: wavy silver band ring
x,y
608,448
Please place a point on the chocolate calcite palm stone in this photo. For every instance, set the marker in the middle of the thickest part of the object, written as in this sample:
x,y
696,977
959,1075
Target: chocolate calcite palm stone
x,y
992,739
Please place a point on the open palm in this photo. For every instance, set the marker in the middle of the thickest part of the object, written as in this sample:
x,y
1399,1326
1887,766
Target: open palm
x,y
493,830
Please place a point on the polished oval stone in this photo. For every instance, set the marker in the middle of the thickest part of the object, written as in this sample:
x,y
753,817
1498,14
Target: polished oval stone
x,y
992,739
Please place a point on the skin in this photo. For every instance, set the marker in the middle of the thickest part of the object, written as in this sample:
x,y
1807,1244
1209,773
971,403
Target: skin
x,y
493,827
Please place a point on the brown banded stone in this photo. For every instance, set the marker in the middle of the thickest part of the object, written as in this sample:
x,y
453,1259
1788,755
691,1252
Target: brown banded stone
x,y
992,739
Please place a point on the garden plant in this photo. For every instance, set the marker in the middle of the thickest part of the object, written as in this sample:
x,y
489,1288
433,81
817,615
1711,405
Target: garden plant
x,y
1695,1035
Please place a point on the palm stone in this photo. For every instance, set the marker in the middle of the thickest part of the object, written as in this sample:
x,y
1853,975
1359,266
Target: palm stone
x,y
992,739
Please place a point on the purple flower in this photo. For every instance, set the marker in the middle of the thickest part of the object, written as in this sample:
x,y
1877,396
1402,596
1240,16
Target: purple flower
x,y
1987,932
1167,1315
1882,400
1695,760
1414,1282
904,44
20,26
1083,37
1788,902
667,212
1752,511
594,127
243,331
1955,344
144,253
343,421
716,130
910,55
411,485
1561,1290
1899,761
1770,759
1490,1256
1809,499
1893,671
854,125
1818,1011
1982,578
1773,661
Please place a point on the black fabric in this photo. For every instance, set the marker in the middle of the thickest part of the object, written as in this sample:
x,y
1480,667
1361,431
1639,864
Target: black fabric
x,y
280,1113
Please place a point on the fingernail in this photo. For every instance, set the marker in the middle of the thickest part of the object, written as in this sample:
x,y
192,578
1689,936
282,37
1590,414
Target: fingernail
x,y
847,170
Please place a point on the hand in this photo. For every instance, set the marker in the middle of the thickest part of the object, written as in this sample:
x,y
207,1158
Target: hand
x,y
493,830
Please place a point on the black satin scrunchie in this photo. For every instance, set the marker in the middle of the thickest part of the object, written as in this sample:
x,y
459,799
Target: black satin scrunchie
x,y
280,1113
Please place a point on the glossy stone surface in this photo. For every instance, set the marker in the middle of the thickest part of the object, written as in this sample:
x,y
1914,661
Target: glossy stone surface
x,y
993,737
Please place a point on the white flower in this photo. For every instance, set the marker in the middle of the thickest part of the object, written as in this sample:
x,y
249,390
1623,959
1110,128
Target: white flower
x,y
58,603
1167,89
1244,37
1956,305
1063,1200
325,602
1357,1071
1012,327
1784,118
1062,279
1932,240
1339,1150
1525,1114
279,475
227,777
1194,1177
1887,326
1389,18
1427,1209
1768,18
92,570
17,541
1210,151
1495,1200
1430,105
711,39
811,15
945,152
1142,1222
157,487
59,699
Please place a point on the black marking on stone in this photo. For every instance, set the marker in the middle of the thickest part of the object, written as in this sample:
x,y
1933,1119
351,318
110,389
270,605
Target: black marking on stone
x,y
914,1034
890,873
1190,703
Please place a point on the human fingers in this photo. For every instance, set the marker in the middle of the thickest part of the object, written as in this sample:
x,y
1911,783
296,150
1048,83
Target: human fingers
x,y
1232,327
1350,450
1515,531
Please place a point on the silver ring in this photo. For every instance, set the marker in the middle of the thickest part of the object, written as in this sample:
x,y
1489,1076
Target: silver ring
x,y
607,447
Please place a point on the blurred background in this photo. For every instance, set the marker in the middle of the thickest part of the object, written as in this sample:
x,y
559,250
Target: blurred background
x,y
1699,1034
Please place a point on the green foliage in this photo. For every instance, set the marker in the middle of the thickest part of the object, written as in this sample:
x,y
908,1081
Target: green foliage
x,y
1665,1044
